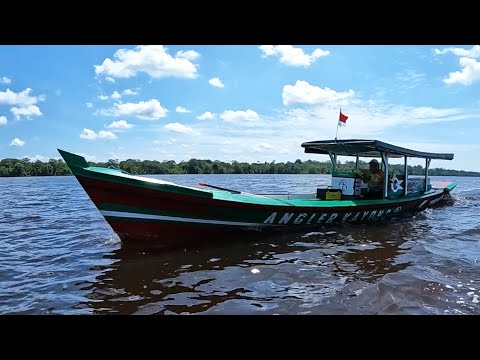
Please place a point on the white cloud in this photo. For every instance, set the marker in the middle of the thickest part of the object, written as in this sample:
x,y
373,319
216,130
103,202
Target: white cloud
x,y
470,71
120,124
38,157
112,155
102,97
30,110
240,116
110,79
467,76
88,134
262,146
153,60
181,109
279,136
367,118
411,75
5,80
292,56
189,54
474,52
92,135
178,128
304,93
89,105
129,92
409,79
216,82
3,120
17,142
207,115
9,97
146,110
116,95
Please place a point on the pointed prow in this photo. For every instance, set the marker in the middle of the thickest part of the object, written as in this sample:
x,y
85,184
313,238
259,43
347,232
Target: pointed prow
x,y
73,160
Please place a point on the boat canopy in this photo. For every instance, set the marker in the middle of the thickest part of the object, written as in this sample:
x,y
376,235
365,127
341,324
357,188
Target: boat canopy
x,y
367,148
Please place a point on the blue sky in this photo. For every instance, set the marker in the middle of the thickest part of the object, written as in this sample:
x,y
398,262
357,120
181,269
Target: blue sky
x,y
244,103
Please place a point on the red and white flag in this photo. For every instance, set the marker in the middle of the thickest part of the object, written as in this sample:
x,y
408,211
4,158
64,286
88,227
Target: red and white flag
x,y
342,120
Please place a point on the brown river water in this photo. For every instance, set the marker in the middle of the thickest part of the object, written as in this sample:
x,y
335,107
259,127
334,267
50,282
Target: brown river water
x,y
59,256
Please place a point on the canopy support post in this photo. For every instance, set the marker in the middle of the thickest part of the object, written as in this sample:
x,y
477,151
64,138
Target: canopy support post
x,y
385,178
333,159
405,182
427,165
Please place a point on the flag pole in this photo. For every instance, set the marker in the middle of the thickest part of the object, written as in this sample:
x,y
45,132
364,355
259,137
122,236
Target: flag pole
x,y
337,126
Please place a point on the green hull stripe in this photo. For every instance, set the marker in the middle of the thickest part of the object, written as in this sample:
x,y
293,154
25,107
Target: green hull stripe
x,y
119,214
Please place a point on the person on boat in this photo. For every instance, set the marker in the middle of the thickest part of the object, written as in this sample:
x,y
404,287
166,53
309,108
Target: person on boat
x,y
374,177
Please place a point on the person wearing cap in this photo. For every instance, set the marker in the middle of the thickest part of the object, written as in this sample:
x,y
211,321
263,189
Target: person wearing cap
x,y
374,177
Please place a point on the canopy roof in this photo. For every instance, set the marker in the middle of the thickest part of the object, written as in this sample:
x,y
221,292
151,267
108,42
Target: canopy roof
x,y
367,148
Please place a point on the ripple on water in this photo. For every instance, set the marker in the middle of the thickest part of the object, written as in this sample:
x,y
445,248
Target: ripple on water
x,y
59,256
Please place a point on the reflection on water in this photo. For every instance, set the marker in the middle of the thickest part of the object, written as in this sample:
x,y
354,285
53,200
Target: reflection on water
x,y
270,276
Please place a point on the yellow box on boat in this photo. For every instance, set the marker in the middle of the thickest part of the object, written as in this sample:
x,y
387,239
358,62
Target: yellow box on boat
x,y
333,194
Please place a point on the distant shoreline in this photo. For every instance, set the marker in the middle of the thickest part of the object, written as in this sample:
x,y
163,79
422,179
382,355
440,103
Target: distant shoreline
x,y
54,167
70,175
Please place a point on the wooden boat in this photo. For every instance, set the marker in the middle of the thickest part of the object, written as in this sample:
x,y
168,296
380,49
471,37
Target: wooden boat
x,y
142,208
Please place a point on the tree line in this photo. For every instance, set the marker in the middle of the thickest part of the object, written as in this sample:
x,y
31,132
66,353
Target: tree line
x,y
25,167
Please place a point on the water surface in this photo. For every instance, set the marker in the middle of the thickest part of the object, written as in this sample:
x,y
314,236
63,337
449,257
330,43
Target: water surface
x,y
59,256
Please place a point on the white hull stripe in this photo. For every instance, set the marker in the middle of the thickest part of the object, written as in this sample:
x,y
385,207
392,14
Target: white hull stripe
x,y
121,214
435,201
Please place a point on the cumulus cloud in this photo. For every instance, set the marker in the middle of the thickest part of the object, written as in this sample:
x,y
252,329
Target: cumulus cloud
x,y
23,98
207,115
181,109
239,116
153,60
116,95
27,111
305,93
189,54
92,135
120,124
470,68
146,110
17,142
216,82
129,92
469,74
474,52
292,56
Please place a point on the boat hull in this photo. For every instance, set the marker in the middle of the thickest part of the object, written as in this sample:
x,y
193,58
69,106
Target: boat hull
x,y
167,218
